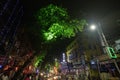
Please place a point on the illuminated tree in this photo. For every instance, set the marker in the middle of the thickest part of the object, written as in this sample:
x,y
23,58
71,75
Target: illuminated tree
x,y
56,23
51,14
39,59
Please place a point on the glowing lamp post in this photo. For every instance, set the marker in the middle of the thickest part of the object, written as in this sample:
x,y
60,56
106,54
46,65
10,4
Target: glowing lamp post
x,y
106,49
101,35
92,27
103,41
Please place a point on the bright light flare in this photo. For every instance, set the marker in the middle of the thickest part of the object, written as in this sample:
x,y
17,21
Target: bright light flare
x,y
41,74
92,27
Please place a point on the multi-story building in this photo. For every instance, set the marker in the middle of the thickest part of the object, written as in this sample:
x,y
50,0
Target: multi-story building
x,y
117,45
83,53
10,18
11,12
15,49
88,57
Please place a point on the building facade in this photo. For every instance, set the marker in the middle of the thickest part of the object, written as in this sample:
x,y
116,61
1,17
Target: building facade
x,y
83,53
10,18
11,12
88,58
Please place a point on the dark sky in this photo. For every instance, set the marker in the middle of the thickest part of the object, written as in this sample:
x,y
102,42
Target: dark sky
x,y
105,11
91,8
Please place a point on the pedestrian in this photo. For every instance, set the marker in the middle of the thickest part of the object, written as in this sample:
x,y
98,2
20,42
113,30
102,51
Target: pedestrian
x,y
5,76
28,77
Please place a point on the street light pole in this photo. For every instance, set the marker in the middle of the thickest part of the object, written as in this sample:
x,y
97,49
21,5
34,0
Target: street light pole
x,y
103,39
104,44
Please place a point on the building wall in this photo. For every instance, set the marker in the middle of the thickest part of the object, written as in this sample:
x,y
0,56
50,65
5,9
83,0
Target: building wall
x,y
11,12
10,18
83,44
117,45
84,49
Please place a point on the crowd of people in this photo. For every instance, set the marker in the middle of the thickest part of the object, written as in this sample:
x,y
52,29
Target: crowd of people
x,y
5,76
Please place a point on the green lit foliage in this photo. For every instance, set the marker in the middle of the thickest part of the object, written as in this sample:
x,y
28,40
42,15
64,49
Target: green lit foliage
x,y
56,63
39,59
78,25
56,24
48,67
51,14
57,30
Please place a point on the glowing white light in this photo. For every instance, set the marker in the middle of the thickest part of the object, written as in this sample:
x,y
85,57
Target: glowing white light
x,y
41,74
64,57
92,27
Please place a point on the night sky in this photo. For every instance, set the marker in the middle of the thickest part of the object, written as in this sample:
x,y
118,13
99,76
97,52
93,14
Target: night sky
x,y
92,9
105,11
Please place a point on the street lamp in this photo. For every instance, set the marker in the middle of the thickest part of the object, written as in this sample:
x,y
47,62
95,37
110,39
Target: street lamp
x,y
102,37
92,27
106,48
104,43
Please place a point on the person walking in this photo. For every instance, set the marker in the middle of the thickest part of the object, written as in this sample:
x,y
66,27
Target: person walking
x,y
5,76
28,77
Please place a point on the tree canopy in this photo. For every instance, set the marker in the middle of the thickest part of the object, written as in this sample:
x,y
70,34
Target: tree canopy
x,y
55,23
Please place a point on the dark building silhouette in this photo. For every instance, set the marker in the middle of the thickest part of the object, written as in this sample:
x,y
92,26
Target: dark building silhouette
x,y
11,12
